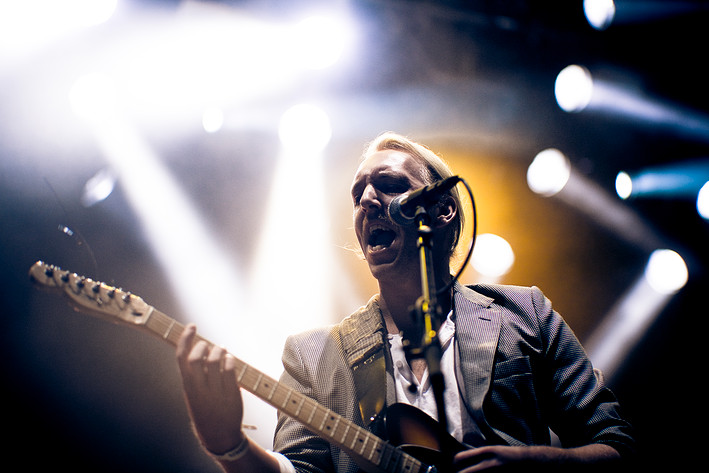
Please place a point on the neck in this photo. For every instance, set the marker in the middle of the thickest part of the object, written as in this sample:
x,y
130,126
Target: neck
x,y
398,302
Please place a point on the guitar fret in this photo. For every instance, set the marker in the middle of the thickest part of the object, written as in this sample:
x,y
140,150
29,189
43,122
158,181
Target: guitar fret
x,y
322,424
409,463
344,436
300,406
385,458
354,441
334,427
258,380
242,372
287,398
166,334
375,448
364,445
329,417
312,414
273,389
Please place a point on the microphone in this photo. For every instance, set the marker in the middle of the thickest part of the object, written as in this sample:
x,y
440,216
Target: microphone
x,y
403,207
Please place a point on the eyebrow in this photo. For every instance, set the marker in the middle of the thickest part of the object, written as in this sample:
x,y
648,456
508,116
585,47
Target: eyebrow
x,y
382,175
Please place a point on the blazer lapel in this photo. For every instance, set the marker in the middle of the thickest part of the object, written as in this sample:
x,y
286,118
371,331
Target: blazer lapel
x,y
477,333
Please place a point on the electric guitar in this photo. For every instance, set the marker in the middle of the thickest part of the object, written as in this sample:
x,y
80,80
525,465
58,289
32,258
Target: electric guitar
x,y
417,441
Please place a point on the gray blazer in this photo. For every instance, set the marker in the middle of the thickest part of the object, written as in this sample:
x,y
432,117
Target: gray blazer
x,y
521,371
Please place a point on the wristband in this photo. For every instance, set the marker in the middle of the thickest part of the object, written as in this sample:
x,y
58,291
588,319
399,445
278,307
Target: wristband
x,y
235,453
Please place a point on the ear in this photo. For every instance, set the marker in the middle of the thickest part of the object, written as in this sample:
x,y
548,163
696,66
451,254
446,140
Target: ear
x,y
445,212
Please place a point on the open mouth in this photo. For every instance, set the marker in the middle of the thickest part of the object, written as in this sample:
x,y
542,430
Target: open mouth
x,y
380,238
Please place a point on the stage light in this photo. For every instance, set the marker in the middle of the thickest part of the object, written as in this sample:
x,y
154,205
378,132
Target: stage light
x,y
92,12
55,15
623,185
493,256
305,128
573,88
628,320
666,271
172,226
98,188
577,90
320,41
213,119
549,172
677,180
703,201
599,13
551,175
209,55
94,96
28,25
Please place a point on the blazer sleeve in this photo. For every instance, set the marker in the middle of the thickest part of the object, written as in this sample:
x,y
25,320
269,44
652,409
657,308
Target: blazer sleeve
x,y
543,380
582,408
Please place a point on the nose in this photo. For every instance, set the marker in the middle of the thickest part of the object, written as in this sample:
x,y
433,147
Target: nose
x,y
369,202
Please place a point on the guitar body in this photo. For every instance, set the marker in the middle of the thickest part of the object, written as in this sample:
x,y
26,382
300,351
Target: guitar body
x,y
420,435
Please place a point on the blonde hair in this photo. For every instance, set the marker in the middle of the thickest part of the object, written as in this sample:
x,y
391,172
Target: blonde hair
x,y
434,169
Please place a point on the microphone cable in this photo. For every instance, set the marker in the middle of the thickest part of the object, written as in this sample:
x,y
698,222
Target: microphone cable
x,y
469,254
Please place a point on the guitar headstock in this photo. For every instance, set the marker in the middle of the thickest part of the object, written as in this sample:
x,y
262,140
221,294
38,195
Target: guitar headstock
x,y
93,297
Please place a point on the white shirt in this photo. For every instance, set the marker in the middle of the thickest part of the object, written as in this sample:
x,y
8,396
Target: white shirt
x,y
423,397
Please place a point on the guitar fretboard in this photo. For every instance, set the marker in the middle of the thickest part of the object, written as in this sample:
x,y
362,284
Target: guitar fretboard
x,y
327,424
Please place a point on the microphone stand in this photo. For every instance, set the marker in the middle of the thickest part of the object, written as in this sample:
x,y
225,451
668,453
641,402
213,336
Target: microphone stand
x,y
427,315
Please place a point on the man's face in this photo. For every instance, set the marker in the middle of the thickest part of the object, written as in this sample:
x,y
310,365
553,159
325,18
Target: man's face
x,y
389,249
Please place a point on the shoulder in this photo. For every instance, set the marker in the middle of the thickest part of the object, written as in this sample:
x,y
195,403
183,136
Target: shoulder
x,y
352,338
362,321
506,296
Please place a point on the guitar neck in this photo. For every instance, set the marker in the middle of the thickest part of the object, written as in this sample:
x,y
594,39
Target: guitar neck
x,y
361,444
367,450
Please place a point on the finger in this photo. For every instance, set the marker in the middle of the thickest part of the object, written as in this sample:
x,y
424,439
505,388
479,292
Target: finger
x,y
231,384
184,343
471,460
213,365
192,366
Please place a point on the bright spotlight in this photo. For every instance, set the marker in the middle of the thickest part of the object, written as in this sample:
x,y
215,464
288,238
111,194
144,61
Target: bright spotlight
x,y
551,175
630,317
703,201
602,13
305,127
623,185
666,272
599,13
98,188
493,256
549,172
577,90
28,25
319,41
573,88
212,119
93,96
679,179
92,12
